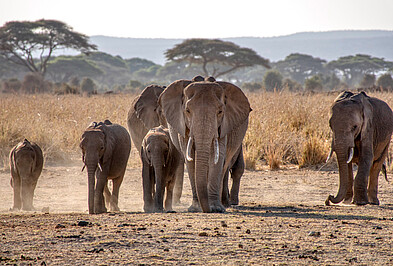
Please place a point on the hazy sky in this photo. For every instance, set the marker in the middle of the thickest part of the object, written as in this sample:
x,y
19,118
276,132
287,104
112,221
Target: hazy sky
x,y
204,18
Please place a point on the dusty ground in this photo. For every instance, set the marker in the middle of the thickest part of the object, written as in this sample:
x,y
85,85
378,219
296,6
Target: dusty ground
x,y
281,219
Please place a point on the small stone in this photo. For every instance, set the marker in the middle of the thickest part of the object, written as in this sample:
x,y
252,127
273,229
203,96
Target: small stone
x,y
240,245
203,234
248,231
224,224
189,225
314,233
60,226
238,227
83,223
166,249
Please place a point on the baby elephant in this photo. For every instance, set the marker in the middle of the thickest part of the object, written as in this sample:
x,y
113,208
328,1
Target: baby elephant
x,y
105,151
26,163
160,161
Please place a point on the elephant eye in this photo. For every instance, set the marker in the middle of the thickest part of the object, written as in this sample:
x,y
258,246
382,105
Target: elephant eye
x,y
354,127
220,112
188,110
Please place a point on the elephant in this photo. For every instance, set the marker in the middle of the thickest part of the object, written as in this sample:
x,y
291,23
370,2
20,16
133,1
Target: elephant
x,y
362,127
160,161
144,114
207,122
26,162
105,151
236,169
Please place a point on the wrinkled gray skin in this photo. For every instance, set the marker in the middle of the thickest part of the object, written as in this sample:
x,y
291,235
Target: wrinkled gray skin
x,y
105,151
207,121
26,162
236,170
160,161
364,124
144,114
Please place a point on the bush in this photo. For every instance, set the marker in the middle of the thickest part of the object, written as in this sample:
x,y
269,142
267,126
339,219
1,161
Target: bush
x,y
35,83
368,81
11,85
291,85
88,86
272,80
65,88
313,84
252,86
385,82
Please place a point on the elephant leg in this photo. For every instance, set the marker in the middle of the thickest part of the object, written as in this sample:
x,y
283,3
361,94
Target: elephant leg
x,y
215,184
372,190
178,187
107,195
116,182
349,195
17,194
360,196
99,194
169,195
225,190
195,207
27,196
236,174
148,188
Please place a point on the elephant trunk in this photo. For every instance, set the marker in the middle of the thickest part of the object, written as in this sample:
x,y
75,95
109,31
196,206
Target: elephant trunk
x,y
342,158
202,156
158,164
91,171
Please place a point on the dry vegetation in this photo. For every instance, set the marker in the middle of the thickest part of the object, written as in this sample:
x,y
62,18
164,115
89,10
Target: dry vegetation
x,y
284,128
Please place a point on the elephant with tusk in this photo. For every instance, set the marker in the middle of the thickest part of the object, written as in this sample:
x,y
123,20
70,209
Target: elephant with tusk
x,y
362,127
105,151
207,121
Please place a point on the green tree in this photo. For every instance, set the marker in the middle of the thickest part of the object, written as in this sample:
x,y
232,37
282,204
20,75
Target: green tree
x,y
353,68
63,68
300,66
313,84
88,86
213,53
385,82
368,81
272,80
21,41
135,64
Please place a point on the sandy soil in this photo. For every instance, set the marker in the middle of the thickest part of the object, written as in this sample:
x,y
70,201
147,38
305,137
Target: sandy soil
x,y
281,219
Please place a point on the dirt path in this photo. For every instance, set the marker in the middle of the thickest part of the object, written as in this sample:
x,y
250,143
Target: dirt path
x,y
281,219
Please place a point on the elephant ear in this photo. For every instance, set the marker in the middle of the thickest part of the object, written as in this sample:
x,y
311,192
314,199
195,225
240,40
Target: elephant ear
x,y
146,105
363,99
109,141
171,102
237,108
343,95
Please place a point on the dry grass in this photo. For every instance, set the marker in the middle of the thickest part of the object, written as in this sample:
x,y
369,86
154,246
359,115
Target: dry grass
x,y
284,128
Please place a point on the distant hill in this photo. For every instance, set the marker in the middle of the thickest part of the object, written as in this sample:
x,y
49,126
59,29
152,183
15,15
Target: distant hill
x,y
325,45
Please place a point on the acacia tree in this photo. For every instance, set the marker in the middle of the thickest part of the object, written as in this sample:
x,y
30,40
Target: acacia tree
x,y
31,44
216,57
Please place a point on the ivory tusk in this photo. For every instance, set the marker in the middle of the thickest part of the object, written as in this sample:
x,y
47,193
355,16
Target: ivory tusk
x,y
83,168
188,151
350,155
216,151
99,166
330,155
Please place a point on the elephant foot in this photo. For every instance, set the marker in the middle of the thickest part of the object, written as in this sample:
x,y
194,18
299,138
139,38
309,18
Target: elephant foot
x,y
360,199
15,208
100,210
348,201
218,208
29,209
360,202
235,201
195,207
374,200
114,209
176,202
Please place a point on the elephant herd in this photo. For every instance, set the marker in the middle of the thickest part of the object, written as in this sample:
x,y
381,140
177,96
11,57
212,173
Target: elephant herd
x,y
201,123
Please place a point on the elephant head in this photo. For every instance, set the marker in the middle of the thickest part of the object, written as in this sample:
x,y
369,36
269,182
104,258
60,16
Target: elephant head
x,y
96,145
156,154
203,112
351,124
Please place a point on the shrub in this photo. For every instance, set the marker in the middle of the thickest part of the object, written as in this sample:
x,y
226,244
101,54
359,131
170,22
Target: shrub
x,y
35,83
11,85
272,80
88,86
385,82
313,84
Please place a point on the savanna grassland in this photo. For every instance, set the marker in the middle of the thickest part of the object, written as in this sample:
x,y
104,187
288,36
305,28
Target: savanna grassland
x,y
281,218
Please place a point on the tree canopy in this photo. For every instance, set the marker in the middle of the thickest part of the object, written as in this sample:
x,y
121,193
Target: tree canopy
x,y
300,66
32,44
216,57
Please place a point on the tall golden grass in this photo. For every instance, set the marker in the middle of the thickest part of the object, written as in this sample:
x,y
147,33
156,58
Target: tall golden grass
x,y
284,128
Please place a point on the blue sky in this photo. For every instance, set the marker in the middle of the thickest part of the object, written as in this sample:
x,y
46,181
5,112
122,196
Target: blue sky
x,y
202,18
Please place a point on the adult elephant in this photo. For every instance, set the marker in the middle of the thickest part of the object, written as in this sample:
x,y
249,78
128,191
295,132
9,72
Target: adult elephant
x,y
362,127
207,121
144,114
